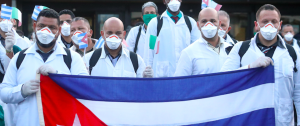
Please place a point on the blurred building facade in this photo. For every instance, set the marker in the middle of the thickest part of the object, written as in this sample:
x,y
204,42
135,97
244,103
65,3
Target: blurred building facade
x,y
242,12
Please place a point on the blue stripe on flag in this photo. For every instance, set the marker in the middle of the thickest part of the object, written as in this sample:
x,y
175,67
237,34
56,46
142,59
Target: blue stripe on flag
x,y
34,13
262,117
37,8
6,7
162,89
5,12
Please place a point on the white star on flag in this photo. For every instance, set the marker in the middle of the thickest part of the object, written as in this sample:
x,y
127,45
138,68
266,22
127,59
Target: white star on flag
x,y
76,121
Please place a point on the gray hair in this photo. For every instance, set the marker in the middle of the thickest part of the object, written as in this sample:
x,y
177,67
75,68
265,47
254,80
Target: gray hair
x,y
224,13
286,25
149,4
82,19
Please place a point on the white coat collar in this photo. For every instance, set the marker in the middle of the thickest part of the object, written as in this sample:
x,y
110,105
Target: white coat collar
x,y
229,40
125,52
180,21
222,41
58,49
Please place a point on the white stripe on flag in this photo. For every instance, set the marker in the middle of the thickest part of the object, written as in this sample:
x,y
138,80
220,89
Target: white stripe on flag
x,y
36,11
5,15
183,112
6,10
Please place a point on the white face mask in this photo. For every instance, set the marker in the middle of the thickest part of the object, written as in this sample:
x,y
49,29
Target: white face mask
x,y
174,5
221,32
113,41
268,31
75,36
6,25
209,30
289,36
45,35
65,29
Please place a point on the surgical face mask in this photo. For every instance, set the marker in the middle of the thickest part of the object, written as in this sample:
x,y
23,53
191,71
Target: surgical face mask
x,y
75,37
6,25
113,41
209,30
289,36
65,29
174,5
45,35
268,31
221,32
147,18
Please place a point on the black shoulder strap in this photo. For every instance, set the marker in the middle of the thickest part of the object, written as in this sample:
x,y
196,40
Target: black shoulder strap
x,y
188,22
293,54
137,39
234,40
134,60
159,24
94,59
68,58
20,58
228,49
244,47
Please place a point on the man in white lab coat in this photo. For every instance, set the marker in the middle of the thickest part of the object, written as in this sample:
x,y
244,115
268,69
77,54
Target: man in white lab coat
x,y
45,56
170,33
136,36
266,48
115,60
207,54
64,39
288,33
225,27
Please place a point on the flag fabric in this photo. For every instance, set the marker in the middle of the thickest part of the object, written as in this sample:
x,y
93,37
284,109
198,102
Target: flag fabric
x,y
235,98
37,10
6,11
210,3
16,14
124,42
82,40
99,43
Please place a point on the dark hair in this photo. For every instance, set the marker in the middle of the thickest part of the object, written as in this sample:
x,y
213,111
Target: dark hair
x,y
66,11
82,19
267,7
49,13
20,33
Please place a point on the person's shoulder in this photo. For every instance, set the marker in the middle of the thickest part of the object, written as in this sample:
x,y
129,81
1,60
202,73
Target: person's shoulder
x,y
194,46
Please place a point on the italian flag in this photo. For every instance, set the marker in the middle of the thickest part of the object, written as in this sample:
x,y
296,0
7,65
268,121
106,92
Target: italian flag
x,y
154,43
16,14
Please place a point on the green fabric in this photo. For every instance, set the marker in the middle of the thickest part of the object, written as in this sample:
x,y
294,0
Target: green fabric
x,y
16,49
170,15
1,116
152,42
147,18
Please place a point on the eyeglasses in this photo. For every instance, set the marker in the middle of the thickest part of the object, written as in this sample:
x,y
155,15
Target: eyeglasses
x,y
68,21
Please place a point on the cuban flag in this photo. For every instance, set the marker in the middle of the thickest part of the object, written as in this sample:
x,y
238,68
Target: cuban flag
x,y
235,98
99,43
210,3
6,11
82,40
37,10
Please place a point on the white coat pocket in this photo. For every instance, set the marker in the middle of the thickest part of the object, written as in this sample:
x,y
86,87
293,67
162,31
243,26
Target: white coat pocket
x,y
162,69
285,110
287,67
128,74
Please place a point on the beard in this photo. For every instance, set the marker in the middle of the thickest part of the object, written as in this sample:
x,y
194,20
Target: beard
x,y
45,45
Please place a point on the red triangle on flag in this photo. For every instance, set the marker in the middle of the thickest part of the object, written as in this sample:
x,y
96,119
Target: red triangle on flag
x,y
84,39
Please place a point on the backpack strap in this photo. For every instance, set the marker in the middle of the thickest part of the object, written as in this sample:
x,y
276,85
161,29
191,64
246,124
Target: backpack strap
x,y
244,47
293,54
137,39
134,60
234,40
298,42
159,24
68,58
94,59
20,58
188,22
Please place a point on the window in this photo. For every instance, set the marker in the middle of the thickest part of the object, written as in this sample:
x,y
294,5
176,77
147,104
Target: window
x,y
238,23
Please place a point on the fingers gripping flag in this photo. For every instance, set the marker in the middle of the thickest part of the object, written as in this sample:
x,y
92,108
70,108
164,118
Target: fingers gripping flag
x,y
210,3
36,11
6,11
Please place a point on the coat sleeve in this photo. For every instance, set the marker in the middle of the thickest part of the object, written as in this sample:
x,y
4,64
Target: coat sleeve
x,y
233,60
185,65
131,38
195,33
10,90
77,66
149,53
296,95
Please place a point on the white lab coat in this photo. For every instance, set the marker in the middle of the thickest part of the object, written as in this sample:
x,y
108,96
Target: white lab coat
x,y
21,42
26,113
173,39
60,42
131,39
199,58
229,40
123,68
295,45
287,84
